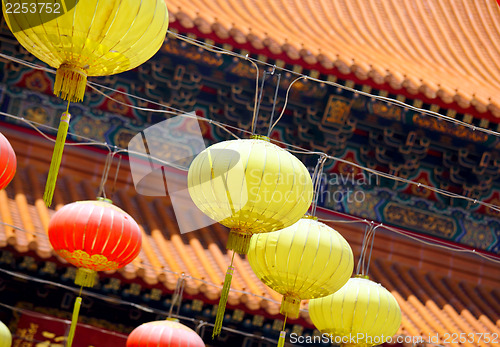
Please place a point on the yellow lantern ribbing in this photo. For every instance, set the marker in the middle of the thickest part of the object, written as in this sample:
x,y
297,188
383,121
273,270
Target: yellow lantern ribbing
x,y
88,38
362,311
304,261
251,186
83,38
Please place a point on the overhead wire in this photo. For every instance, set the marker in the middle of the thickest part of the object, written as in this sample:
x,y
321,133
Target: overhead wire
x,y
115,301
225,127
305,151
335,84
298,149
420,238
157,269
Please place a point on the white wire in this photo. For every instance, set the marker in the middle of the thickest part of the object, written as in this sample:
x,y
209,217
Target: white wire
x,y
286,102
305,151
376,172
420,238
216,49
114,301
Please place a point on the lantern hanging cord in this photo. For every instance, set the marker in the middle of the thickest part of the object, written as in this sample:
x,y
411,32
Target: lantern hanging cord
x,y
104,178
256,116
368,243
360,261
371,249
317,178
177,295
275,100
286,102
366,249
217,50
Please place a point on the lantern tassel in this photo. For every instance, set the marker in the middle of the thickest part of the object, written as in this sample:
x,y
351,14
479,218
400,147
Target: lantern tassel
x,y
70,83
85,277
238,241
281,341
74,321
221,309
50,185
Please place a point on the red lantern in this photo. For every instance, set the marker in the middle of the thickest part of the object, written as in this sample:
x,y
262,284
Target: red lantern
x,y
94,236
168,333
8,162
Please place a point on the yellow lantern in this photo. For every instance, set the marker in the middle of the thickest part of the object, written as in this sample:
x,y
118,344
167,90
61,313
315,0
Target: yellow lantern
x,y
251,186
304,261
5,336
85,38
362,313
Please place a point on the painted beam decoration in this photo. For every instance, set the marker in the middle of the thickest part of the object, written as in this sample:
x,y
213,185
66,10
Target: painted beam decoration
x,y
355,128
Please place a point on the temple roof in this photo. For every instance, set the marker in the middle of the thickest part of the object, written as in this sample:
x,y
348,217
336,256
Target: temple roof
x,y
439,291
446,50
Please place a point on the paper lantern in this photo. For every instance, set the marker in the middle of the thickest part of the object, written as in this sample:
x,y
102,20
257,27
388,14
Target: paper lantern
x,y
168,333
251,186
93,236
5,336
362,310
8,162
85,38
88,38
304,261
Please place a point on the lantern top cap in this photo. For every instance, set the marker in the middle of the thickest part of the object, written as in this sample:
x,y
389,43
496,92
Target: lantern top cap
x,y
260,137
170,319
104,200
310,217
366,277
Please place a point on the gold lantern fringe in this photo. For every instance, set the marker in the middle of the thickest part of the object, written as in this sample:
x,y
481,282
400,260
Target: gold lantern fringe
x,y
290,306
238,242
85,277
50,185
74,321
70,83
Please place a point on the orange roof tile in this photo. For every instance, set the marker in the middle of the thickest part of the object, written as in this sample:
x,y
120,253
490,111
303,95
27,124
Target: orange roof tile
x,y
438,291
445,49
